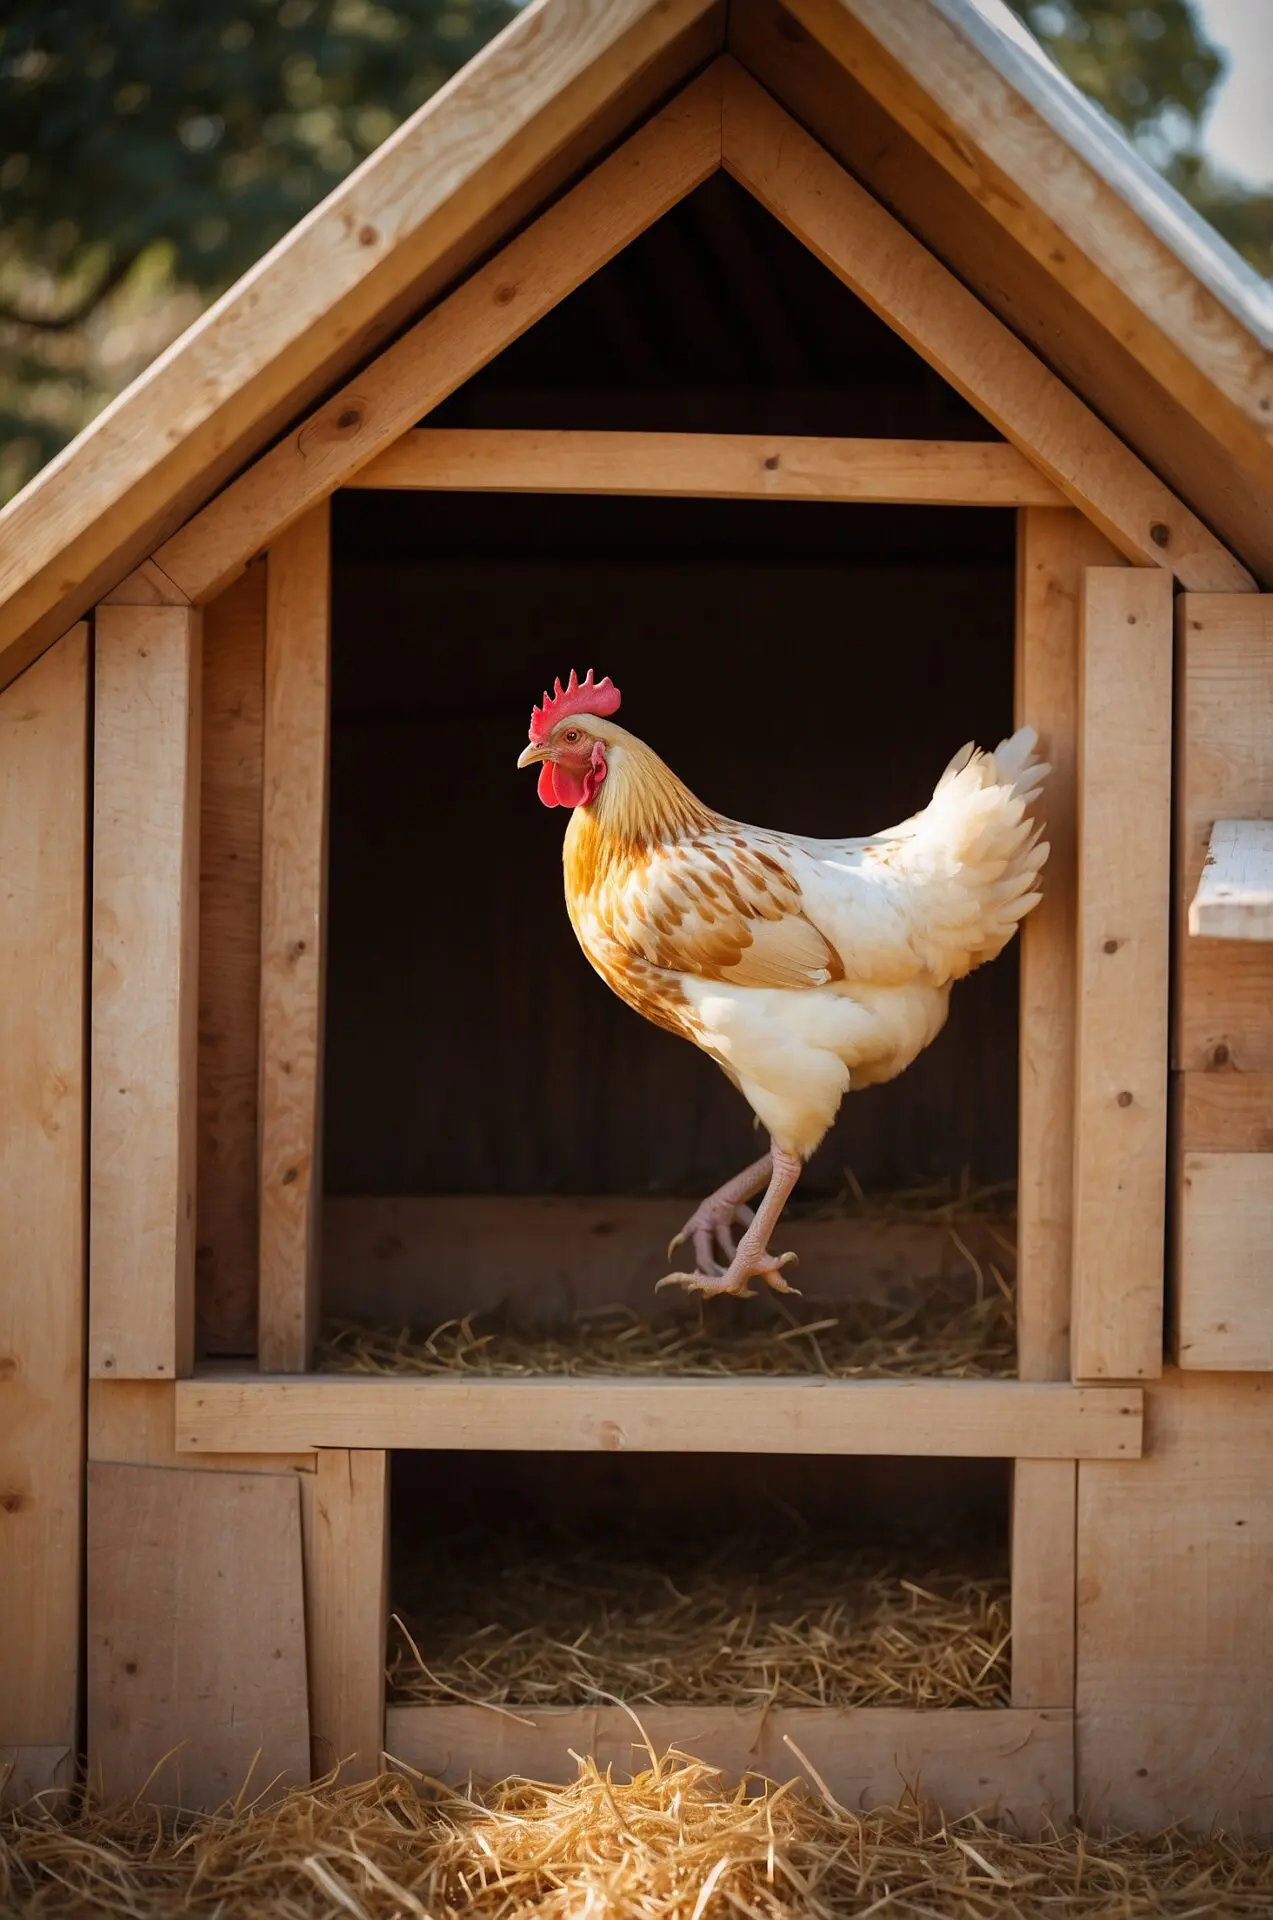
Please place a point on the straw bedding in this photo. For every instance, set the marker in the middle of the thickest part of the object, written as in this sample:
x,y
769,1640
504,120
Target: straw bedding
x,y
674,1843
743,1621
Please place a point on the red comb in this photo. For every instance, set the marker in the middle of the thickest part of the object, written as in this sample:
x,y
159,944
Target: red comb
x,y
578,696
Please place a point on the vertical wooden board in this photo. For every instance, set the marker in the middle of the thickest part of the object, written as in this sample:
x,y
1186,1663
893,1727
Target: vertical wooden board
x,y
1224,1282
346,1531
1224,1112
196,1634
43,966
30,1772
1054,547
1044,1493
229,965
1223,988
293,896
145,1008
1175,1615
1124,852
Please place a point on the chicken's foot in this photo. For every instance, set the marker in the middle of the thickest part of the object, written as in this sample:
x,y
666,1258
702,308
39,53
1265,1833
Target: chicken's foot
x,y
714,1220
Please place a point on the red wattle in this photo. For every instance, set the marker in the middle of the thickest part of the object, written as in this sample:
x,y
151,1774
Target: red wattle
x,y
545,788
569,789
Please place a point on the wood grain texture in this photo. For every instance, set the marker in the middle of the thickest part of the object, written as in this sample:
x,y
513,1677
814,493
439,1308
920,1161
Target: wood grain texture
x,y
229,966
293,937
30,1772
654,169
1053,551
461,173
134,1422
1234,896
1223,989
145,988
1044,1493
196,1635
345,1510
1041,299
1175,1615
955,1759
43,964
1224,1276
1124,841
419,1261
967,1419
1224,1112
853,235
712,466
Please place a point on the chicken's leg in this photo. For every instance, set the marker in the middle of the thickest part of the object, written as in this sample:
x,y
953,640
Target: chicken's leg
x,y
752,1260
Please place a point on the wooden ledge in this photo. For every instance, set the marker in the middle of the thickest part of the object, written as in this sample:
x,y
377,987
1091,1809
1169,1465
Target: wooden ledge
x,y
1234,900
961,1759
238,1412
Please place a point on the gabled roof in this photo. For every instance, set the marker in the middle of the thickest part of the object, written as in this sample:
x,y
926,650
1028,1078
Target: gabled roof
x,y
941,107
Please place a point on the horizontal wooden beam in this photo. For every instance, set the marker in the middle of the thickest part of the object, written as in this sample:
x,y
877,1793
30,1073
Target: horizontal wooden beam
x,y
972,1419
1234,897
800,183
713,466
960,1759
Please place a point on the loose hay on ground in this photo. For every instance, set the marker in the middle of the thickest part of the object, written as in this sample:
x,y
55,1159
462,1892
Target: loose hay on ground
x,y
674,1843
536,1621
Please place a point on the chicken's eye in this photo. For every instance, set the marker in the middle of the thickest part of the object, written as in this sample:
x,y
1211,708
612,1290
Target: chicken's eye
x,y
570,736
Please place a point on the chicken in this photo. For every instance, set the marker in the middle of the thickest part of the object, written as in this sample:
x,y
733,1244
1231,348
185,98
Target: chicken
x,y
802,967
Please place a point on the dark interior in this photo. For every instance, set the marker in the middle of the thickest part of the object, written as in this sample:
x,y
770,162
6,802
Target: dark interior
x,y
803,666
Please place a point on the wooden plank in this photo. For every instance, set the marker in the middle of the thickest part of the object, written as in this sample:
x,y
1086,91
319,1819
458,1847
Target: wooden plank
x,y
1234,897
1053,549
656,167
134,1423
1044,1496
423,1259
144,1020
957,1759
1124,842
293,934
962,340
345,1509
1223,990
1175,1615
1224,1112
1224,1280
146,586
563,81
30,1772
229,966
973,1419
43,964
712,466
196,1641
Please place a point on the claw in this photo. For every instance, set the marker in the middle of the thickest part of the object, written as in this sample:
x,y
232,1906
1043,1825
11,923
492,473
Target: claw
x,y
705,1284
677,1240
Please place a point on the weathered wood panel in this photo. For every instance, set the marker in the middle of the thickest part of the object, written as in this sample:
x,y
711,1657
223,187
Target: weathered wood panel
x,y
196,1634
145,988
1224,1280
229,965
1124,924
43,964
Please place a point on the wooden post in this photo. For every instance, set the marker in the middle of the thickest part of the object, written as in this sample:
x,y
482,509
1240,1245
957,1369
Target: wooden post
x,y
43,962
1044,1496
145,958
229,965
293,896
1124,915
1053,549
346,1523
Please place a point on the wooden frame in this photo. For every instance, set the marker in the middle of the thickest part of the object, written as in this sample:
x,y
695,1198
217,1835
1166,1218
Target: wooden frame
x,y
712,466
1234,897
974,1419
145,991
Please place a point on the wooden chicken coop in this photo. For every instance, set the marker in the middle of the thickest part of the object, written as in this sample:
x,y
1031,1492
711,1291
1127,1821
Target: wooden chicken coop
x,y
827,373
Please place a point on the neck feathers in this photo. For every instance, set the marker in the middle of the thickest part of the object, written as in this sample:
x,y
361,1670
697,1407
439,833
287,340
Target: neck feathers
x,y
641,805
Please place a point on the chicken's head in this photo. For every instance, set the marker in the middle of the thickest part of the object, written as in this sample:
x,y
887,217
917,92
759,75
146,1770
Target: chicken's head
x,y
568,752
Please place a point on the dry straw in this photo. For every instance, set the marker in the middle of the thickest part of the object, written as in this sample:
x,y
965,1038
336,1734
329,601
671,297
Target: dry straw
x,y
575,1623
674,1843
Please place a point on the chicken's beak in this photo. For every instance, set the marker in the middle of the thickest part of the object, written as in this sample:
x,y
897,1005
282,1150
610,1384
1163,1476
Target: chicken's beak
x,y
529,756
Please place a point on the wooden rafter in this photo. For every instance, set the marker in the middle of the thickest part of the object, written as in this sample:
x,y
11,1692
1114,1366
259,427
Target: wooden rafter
x,y
800,183
713,466
672,154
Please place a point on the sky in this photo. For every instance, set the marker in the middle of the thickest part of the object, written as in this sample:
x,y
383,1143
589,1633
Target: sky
x,y
1239,127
